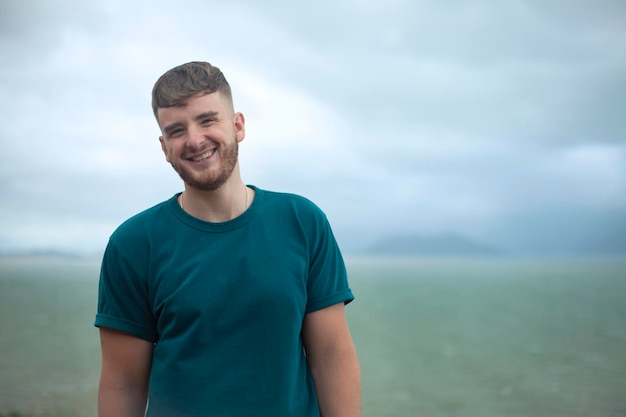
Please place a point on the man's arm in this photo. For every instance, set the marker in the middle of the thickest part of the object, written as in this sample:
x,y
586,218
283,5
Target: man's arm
x,y
333,362
126,362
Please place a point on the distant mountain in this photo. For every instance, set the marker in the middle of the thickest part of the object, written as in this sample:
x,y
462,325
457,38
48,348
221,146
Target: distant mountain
x,y
431,245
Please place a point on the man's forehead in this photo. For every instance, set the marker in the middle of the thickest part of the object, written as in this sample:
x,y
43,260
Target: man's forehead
x,y
185,102
214,98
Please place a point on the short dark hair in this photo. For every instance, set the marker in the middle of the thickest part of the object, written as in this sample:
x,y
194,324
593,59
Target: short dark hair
x,y
178,84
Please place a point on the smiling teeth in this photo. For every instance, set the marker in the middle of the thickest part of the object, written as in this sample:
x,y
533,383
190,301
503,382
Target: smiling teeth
x,y
203,156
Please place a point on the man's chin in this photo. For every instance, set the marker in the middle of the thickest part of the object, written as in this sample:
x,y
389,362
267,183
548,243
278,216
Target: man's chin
x,y
204,184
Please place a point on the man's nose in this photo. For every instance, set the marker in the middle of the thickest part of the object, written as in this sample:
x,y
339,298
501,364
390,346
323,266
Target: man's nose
x,y
196,136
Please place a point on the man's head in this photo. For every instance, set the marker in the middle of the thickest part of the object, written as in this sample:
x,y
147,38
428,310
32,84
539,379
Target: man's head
x,y
184,81
200,130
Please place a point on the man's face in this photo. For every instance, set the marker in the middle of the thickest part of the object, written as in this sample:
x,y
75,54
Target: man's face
x,y
201,139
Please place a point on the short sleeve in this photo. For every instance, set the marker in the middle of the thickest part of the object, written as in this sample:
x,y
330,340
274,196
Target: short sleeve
x,y
123,297
327,283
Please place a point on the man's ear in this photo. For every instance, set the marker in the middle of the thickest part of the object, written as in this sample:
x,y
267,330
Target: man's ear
x,y
239,122
163,148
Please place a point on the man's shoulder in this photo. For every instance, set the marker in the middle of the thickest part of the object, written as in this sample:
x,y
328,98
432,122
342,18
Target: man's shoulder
x,y
287,199
282,206
141,222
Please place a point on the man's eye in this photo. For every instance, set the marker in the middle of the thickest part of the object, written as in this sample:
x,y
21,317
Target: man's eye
x,y
206,122
175,133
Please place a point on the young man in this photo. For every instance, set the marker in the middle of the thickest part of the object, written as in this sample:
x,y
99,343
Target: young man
x,y
225,300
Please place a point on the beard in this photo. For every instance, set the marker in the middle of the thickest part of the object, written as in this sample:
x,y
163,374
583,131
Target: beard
x,y
211,181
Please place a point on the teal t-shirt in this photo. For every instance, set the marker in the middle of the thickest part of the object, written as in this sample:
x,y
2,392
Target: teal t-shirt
x,y
224,304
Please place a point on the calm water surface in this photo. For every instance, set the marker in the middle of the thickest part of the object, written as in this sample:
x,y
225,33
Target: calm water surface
x,y
474,338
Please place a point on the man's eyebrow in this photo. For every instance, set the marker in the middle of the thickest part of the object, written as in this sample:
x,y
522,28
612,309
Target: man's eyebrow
x,y
169,128
206,115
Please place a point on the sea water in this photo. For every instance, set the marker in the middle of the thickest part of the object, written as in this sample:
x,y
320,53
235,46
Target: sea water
x,y
435,337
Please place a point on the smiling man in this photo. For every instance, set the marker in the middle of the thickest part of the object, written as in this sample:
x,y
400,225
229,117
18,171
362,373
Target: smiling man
x,y
226,299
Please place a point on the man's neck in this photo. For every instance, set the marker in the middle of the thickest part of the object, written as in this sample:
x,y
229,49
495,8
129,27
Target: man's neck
x,y
221,205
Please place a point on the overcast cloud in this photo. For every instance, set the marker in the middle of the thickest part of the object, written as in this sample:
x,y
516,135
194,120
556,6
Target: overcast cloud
x,y
503,121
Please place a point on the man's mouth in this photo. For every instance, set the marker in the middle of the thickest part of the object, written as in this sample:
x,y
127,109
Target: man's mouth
x,y
202,156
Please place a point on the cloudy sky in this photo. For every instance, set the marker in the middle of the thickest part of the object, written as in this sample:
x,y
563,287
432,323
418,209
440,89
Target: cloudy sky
x,y
503,121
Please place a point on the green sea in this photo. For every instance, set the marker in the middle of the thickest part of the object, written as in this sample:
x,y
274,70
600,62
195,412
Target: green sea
x,y
436,337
